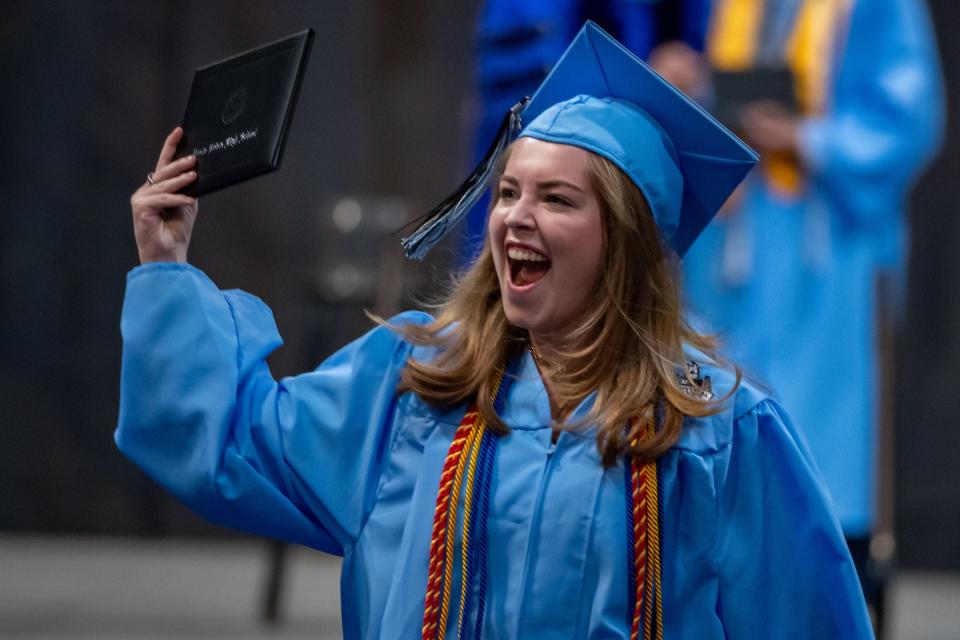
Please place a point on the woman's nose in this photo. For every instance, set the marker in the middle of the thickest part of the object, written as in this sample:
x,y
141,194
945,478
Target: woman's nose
x,y
520,215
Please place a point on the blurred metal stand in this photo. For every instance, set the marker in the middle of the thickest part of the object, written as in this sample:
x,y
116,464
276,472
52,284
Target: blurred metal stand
x,y
360,268
275,579
881,558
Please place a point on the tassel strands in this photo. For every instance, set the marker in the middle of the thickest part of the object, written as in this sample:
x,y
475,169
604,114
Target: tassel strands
x,y
434,225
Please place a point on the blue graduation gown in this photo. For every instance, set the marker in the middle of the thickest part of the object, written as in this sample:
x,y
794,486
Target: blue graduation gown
x,y
789,280
334,459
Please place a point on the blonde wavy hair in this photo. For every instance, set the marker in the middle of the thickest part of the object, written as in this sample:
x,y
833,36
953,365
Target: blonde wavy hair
x,y
628,346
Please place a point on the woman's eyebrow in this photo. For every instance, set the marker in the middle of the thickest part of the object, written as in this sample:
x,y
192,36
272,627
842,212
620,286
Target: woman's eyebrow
x,y
550,184
544,185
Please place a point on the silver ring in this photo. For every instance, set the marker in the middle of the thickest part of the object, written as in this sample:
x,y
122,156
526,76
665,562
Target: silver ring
x,y
150,179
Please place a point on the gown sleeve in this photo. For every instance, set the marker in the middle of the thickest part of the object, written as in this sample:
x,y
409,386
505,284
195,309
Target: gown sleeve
x,y
299,459
886,114
785,571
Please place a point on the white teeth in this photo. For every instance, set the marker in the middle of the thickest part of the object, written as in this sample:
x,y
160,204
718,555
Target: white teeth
x,y
516,253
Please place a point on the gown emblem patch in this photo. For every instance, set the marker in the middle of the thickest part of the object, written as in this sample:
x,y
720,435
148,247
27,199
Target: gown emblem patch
x,y
693,384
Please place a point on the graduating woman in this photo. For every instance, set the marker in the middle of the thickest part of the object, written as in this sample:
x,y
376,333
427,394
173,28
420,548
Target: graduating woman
x,y
556,454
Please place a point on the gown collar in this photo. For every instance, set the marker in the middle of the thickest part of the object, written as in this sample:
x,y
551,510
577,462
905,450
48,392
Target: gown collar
x,y
528,405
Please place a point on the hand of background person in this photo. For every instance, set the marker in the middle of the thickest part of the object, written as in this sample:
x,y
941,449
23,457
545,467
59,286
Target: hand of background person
x,y
162,218
682,66
770,126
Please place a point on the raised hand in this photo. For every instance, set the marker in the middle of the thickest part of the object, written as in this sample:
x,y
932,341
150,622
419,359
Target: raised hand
x,y
162,218
770,126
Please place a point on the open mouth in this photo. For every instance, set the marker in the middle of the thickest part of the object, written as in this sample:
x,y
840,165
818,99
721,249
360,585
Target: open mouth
x,y
526,266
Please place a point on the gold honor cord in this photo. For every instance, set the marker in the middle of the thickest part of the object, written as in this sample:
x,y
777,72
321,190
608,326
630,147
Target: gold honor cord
x,y
467,511
644,498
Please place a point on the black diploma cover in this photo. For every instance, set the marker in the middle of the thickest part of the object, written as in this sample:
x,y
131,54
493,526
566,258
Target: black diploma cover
x,y
239,113
734,90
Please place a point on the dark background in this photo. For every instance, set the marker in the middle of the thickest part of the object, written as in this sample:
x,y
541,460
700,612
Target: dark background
x,y
89,90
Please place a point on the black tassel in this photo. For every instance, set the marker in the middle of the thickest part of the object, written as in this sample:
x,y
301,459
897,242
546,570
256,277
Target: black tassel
x,y
434,225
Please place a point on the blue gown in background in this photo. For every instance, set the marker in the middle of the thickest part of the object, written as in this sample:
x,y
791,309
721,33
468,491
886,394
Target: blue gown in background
x,y
334,459
789,279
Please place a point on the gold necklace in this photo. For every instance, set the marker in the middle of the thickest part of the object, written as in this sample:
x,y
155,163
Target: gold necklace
x,y
543,362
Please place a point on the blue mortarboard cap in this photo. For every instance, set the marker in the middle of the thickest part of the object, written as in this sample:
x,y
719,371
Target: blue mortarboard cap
x,y
619,130
602,98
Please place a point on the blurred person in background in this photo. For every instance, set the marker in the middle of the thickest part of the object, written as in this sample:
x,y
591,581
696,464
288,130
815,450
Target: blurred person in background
x,y
806,259
557,453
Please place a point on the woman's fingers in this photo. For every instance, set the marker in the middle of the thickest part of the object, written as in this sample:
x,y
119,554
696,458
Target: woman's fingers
x,y
162,201
171,180
169,186
172,169
162,218
169,148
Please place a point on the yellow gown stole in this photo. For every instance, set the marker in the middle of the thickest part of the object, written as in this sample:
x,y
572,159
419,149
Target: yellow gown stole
x,y
733,40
